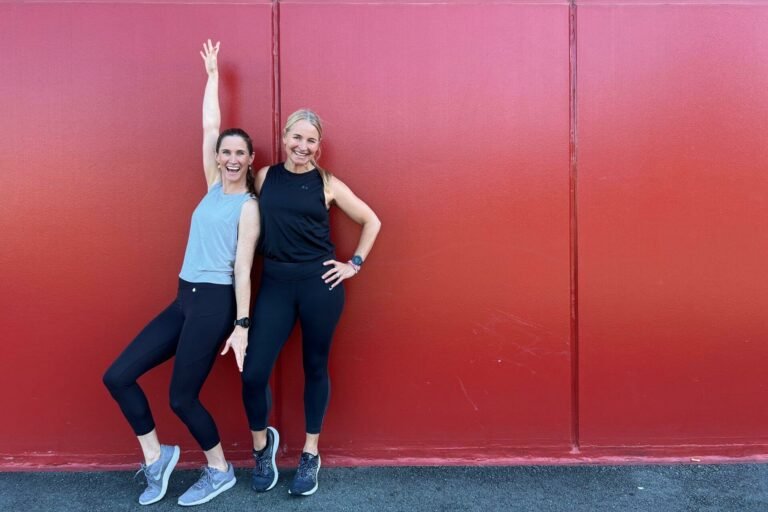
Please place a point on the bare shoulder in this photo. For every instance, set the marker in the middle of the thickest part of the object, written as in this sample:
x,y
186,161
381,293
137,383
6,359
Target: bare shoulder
x,y
261,175
339,189
249,215
250,208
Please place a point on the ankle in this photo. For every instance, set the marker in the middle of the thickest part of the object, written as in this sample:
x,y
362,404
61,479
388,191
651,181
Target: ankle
x,y
151,457
220,466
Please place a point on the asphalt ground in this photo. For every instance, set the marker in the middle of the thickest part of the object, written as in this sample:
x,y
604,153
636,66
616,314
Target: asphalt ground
x,y
658,488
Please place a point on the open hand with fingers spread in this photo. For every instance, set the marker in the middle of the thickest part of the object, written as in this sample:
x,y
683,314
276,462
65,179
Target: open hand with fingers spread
x,y
338,273
209,54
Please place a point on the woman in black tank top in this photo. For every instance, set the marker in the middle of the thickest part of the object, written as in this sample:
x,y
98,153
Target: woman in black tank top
x,y
300,281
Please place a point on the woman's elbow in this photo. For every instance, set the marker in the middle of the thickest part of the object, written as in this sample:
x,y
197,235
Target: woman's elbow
x,y
373,224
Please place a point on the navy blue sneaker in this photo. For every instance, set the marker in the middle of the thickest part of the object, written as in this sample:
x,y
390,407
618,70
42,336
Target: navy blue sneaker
x,y
305,481
265,472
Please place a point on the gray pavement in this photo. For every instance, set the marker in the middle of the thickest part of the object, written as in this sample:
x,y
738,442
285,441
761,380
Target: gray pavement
x,y
717,487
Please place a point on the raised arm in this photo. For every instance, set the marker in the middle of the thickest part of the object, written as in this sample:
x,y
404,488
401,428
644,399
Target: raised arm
x,y
211,112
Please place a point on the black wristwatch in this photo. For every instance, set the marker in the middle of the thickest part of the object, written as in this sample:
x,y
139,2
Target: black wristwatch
x,y
244,322
357,260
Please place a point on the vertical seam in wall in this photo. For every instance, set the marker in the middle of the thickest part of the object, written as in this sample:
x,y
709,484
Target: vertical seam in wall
x,y
574,255
277,401
275,80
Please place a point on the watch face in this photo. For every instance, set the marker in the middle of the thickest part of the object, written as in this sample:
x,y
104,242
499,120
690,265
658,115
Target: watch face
x,y
357,260
243,322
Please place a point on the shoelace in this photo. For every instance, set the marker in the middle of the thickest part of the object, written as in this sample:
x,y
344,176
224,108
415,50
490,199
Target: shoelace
x,y
264,463
305,467
143,468
205,478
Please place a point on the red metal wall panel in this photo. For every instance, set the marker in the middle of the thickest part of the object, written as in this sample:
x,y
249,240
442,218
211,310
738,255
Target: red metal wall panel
x,y
452,121
672,216
100,153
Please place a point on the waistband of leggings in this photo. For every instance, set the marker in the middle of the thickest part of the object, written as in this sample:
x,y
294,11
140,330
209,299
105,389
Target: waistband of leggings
x,y
186,285
293,271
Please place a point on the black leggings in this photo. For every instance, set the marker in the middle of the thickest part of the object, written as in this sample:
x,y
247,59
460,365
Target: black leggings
x,y
192,328
289,291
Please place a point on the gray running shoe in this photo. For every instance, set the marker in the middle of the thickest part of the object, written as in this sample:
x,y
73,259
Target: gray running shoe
x,y
157,474
265,471
212,482
305,481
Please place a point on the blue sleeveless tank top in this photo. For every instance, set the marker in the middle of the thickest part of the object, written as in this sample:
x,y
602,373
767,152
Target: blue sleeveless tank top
x,y
210,254
295,224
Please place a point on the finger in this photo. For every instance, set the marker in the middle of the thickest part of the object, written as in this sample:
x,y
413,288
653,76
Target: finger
x,y
336,280
330,262
332,275
217,46
239,357
329,273
226,348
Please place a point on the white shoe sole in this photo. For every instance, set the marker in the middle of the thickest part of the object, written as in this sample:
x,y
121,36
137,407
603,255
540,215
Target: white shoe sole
x,y
166,477
215,493
276,438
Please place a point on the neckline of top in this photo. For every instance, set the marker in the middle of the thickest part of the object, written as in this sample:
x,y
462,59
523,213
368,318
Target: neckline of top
x,y
282,166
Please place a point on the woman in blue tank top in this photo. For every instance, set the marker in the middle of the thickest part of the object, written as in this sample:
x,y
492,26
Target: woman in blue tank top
x,y
214,290
300,281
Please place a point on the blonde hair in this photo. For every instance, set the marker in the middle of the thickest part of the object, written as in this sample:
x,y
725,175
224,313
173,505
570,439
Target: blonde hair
x,y
305,114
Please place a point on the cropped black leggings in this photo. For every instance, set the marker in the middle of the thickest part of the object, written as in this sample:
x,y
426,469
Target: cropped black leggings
x,y
192,328
291,291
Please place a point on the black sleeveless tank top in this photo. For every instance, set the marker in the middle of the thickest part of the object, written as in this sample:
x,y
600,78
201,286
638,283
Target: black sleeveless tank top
x,y
294,220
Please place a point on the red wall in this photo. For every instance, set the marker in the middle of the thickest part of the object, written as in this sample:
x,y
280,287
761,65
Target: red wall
x,y
573,199
673,215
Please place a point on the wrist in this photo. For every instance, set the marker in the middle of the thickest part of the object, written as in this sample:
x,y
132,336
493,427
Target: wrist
x,y
243,323
356,262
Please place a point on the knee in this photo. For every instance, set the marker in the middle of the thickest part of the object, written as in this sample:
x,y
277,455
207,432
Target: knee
x,y
316,370
181,404
112,380
254,380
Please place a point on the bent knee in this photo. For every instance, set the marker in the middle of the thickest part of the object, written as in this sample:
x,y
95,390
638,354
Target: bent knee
x,y
181,405
112,380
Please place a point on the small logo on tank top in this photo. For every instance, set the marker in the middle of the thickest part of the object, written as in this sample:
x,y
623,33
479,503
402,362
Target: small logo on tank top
x,y
304,187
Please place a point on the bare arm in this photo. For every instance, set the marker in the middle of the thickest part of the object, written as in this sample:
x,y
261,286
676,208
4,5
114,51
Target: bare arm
x,y
247,235
356,209
261,175
211,113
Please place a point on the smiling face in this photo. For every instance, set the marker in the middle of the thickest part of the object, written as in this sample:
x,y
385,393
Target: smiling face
x,y
301,141
233,159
